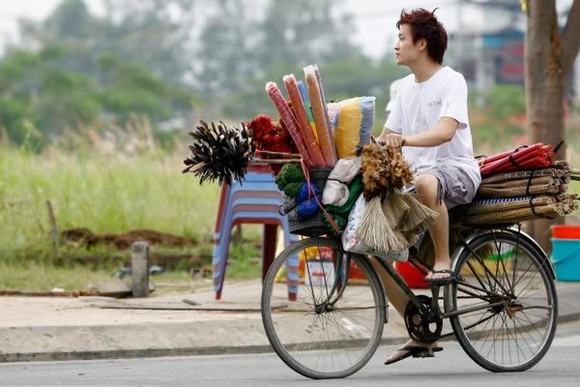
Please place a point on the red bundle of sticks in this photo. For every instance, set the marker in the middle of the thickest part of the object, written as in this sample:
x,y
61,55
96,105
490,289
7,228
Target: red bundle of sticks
x,y
523,158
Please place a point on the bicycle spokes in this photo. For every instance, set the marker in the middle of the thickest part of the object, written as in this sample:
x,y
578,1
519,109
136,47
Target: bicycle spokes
x,y
506,304
335,319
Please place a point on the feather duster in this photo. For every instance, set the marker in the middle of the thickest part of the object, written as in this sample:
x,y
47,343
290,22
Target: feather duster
x,y
219,153
384,169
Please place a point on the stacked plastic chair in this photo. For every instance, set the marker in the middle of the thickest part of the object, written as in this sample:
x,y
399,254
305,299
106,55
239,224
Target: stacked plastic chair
x,y
256,200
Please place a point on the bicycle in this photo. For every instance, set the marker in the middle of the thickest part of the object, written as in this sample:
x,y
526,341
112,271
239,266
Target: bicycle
x,y
328,322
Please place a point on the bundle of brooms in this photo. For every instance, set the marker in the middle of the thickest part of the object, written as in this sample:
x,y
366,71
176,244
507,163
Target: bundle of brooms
x,y
512,197
392,220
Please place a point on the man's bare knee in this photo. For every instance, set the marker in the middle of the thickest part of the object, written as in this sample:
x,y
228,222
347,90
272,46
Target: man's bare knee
x,y
427,187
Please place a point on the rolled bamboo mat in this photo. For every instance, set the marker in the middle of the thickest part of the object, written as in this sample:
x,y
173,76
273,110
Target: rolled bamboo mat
x,y
549,211
524,175
501,191
504,204
544,180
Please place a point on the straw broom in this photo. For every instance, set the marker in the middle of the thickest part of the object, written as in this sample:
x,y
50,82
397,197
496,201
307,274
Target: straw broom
x,y
419,217
375,230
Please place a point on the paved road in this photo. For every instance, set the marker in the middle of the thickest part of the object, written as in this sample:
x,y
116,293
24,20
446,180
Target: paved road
x,y
450,368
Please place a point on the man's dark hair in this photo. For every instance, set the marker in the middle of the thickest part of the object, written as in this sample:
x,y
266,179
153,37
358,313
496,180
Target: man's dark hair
x,y
424,25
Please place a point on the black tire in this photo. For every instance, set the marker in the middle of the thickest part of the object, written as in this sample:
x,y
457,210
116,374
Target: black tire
x,y
334,343
516,274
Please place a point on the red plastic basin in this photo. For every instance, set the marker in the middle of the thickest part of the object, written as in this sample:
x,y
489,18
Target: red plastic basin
x,y
412,275
562,231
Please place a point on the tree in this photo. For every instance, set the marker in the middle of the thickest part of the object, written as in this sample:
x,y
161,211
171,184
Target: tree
x,y
71,18
550,56
153,33
303,32
241,49
40,98
226,57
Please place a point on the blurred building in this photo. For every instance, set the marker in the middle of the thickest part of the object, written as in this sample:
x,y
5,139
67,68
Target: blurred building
x,y
488,44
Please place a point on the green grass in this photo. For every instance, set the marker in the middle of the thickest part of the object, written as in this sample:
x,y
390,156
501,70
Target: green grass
x,y
106,194
244,263
42,277
103,193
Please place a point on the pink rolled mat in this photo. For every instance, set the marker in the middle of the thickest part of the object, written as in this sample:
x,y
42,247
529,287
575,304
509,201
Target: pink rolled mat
x,y
302,120
320,116
288,118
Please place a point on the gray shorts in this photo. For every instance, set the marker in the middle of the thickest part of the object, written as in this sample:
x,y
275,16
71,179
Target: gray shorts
x,y
455,185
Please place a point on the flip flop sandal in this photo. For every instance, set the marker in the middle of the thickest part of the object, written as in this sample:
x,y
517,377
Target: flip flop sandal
x,y
412,350
442,281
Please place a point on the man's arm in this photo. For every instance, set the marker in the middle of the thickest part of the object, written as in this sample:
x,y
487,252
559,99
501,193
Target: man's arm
x,y
442,133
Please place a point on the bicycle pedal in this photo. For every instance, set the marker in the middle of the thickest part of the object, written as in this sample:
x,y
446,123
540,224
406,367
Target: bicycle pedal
x,y
423,354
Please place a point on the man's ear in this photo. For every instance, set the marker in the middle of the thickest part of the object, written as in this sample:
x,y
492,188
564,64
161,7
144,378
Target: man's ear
x,y
422,44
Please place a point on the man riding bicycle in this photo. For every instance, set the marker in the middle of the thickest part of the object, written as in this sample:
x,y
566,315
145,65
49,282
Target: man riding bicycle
x,y
429,120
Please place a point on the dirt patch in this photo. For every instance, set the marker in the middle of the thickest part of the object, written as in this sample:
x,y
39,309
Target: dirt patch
x,y
123,241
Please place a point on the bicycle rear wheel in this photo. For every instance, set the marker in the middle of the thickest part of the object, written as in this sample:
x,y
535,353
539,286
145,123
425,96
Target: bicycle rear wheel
x,y
506,273
323,309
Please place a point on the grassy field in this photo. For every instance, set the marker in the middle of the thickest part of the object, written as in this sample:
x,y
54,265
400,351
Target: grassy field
x,y
104,193
101,192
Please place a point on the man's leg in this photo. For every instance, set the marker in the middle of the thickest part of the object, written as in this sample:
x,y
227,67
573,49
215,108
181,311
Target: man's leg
x,y
395,295
427,190
399,300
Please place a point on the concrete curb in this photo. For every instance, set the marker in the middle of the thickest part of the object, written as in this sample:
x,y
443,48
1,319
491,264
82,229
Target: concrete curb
x,y
244,346
150,353
131,354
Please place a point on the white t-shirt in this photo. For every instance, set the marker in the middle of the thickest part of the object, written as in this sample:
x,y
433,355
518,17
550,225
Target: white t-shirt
x,y
418,108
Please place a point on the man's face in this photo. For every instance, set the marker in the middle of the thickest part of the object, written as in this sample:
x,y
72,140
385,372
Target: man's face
x,y
406,53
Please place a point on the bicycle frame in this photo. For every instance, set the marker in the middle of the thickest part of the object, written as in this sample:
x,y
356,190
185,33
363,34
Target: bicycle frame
x,y
435,312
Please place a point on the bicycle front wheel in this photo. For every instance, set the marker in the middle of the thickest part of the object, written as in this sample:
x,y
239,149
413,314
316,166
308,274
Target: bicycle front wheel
x,y
508,286
323,309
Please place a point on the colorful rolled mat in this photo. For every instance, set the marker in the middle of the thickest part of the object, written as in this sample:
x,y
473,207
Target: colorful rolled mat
x,y
289,120
320,116
353,121
302,119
